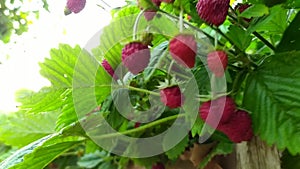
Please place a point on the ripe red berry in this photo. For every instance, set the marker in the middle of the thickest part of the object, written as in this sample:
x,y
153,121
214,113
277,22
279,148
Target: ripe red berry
x,y
239,128
221,108
135,57
107,67
171,97
137,124
149,14
158,166
217,62
75,6
183,49
241,8
213,11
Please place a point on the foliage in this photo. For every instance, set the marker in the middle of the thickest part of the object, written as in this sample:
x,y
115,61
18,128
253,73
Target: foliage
x,y
59,125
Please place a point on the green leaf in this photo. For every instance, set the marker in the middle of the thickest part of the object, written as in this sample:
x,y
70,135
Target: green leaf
x,y
290,39
273,2
240,37
256,10
293,4
20,129
77,79
275,22
91,160
222,148
185,4
107,165
156,55
267,2
176,151
45,100
112,35
59,68
197,128
5,151
272,95
41,152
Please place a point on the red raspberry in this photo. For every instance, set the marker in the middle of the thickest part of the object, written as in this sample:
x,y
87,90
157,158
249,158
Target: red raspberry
x,y
137,124
239,128
171,96
135,56
213,11
158,166
108,68
183,49
75,6
217,62
149,14
215,108
241,8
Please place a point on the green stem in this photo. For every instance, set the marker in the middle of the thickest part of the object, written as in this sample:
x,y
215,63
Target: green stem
x,y
236,83
136,23
265,41
261,38
142,128
181,20
143,90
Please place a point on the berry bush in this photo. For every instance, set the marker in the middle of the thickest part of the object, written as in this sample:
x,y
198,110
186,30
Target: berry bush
x,y
172,84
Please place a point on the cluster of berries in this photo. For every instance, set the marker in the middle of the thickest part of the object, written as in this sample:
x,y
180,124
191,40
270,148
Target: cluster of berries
x,y
183,49
236,124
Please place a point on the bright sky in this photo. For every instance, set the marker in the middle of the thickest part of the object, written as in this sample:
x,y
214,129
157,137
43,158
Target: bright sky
x,y
21,70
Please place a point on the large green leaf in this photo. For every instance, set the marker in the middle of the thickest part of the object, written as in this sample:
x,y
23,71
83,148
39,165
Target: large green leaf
x,y
74,74
274,23
59,68
176,151
256,10
20,129
45,100
240,37
290,40
272,95
41,152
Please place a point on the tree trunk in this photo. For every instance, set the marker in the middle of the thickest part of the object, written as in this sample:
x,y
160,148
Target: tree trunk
x,y
256,154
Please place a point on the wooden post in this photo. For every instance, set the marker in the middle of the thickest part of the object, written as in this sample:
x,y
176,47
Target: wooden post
x,y
256,154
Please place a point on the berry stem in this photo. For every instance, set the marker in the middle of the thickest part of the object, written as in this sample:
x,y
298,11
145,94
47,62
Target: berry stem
x,y
237,82
261,38
169,70
216,39
166,52
181,20
265,41
143,90
136,23
144,127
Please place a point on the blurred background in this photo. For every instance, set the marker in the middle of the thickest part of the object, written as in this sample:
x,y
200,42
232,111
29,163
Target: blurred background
x,y
42,25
